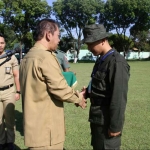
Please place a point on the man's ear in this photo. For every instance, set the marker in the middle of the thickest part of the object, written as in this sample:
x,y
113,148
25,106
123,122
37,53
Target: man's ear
x,y
48,36
103,41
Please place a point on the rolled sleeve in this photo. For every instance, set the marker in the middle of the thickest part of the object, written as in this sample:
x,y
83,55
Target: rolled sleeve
x,y
15,65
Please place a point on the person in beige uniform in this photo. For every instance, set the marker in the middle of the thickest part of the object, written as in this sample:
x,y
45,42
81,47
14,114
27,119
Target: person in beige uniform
x,y
9,78
44,90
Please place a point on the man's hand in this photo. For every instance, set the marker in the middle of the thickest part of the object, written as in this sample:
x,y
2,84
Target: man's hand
x,y
111,134
82,104
17,96
83,91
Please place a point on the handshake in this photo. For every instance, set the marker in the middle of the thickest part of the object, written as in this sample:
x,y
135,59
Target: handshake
x,y
83,102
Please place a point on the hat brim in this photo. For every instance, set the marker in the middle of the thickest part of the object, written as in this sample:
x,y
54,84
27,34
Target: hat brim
x,y
93,39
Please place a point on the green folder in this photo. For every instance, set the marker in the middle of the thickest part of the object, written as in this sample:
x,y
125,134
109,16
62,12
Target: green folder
x,y
70,78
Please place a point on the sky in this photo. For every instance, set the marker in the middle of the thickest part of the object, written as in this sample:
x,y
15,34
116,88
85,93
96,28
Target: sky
x,y
50,2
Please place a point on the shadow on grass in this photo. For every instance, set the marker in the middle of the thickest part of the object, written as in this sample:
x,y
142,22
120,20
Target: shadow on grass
x,y
19,122
144,59
16,148
83,61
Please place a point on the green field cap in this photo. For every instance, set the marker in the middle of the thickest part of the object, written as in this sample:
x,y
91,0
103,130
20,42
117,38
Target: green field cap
x,y
94,32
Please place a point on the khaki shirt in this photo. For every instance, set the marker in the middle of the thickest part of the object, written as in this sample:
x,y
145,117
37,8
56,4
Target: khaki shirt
x,y
6,71
44,90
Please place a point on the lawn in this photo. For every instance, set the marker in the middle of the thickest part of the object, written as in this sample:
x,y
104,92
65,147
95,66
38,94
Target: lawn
x,y
137,124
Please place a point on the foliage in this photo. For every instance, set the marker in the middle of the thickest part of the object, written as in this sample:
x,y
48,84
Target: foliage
x,y
28,41
84,46
142,18
76,14
18,20
22,15
141,40
120,15
140,30
66,43
116,42
146,47
1,7
10,36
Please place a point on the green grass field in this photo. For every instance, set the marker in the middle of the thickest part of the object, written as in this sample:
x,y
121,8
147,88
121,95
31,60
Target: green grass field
x,y
136,133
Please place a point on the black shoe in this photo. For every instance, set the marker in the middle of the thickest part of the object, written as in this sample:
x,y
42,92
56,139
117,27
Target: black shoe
x,y
2,146
10,146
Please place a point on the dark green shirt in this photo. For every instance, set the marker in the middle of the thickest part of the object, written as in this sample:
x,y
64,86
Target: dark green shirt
x,y
109,89
61,56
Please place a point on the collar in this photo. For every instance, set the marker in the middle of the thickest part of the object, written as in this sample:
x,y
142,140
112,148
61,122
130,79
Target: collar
x,y
56,51
40,46
107,54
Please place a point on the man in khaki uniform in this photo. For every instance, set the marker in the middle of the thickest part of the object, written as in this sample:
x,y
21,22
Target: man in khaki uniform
x,y
9,77
44,90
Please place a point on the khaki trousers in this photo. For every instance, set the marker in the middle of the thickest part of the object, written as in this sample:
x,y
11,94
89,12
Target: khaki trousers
x,y
7,115
58,146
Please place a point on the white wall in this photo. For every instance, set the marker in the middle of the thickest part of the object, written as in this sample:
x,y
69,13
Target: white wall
x,y
83,55
137,55
86,55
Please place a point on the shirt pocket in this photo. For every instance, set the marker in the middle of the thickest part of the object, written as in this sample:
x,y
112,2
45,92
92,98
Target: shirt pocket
x,y
8,69
98,80
96,115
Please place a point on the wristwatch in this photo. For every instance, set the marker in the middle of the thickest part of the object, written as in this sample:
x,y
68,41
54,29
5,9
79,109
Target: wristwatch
x,y
18,92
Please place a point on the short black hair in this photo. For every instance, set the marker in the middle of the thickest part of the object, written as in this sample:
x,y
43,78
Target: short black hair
x,y
43,25
2,35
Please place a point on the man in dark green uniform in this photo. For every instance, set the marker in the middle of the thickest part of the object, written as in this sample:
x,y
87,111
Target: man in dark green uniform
x,y
61,56
69,75
107,90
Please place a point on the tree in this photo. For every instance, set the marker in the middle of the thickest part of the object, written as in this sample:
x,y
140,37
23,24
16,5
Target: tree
x,y
10,36
1,6
67,43
142,41
116,42
75,14
21,16
84,46
121,15
142,18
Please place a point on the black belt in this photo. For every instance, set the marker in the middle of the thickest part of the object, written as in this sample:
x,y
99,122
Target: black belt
x,y
6,87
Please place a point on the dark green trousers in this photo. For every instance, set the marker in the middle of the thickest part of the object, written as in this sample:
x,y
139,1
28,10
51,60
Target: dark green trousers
x,y
100,139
